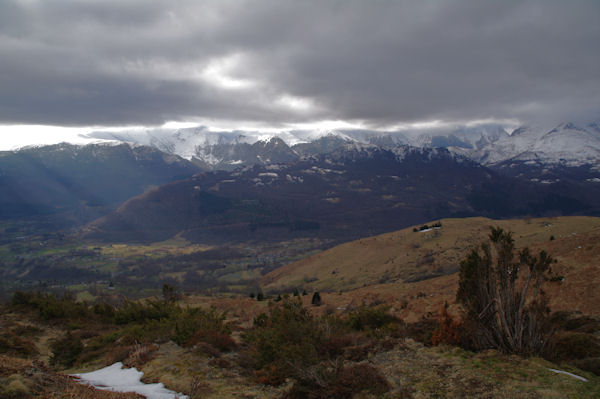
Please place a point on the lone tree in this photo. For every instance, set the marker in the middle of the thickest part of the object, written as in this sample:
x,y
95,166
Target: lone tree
x,y
316,299
169,294
505,306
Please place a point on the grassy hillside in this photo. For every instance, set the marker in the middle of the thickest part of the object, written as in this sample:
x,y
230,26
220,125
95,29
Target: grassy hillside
x,y
224,346
420,268
411,369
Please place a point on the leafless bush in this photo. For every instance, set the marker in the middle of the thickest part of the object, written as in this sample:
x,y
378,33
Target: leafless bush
x,y
505,309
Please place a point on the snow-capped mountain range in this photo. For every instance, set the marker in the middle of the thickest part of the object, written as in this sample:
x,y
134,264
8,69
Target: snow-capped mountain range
x,y
194,142
566,145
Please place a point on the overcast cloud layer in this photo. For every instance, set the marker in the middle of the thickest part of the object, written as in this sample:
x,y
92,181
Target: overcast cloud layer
x,y
378,63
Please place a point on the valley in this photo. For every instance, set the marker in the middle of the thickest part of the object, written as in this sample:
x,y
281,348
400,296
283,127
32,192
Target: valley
x,y
95,271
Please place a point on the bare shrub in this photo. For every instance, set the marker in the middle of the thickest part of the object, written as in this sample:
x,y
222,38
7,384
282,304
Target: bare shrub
x,y
505,309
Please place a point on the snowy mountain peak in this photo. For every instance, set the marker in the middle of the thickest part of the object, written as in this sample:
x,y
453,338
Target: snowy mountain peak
x,y
568,143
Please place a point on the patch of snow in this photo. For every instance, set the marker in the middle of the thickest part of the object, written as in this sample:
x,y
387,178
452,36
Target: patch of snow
x,y
569,374
118,379
429,229
269,174
323,171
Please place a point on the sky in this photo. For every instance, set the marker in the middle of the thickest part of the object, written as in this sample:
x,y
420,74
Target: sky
x,y
72,66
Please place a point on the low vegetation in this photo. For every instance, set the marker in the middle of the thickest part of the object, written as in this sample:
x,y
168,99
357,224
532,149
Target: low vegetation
x,y
322,355
296,344
125,327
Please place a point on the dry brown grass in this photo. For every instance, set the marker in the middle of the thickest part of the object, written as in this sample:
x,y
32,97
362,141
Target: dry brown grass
x,y
398,256
383,264
449,372
191,371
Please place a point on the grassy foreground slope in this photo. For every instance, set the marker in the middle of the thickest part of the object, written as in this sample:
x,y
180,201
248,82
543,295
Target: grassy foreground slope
x,y
417,271
411,369
397,270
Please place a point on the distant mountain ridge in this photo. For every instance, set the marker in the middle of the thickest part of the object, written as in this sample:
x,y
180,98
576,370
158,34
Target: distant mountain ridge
x,y
353,191
89,181
566,145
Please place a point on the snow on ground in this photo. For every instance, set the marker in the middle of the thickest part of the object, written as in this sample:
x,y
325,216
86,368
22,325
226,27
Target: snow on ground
x,y
569,374
119,379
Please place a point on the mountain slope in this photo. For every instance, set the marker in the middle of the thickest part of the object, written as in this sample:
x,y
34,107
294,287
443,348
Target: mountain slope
x,y
566,145
233,155
399,266
351,192
82,179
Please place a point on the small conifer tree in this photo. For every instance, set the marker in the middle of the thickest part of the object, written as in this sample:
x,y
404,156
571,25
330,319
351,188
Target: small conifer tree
x,y
316,299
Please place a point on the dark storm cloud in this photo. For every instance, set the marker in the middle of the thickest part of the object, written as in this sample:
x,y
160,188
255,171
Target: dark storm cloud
x,y
383,62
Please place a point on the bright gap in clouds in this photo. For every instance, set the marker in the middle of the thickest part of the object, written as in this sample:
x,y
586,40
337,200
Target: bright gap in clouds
x,y
13,137
326,125
16,136
296,103
220,73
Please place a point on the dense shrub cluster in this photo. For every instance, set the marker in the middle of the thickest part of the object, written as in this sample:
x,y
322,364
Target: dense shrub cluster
x,y
143,321
65,350
156,321
375,320
284,341
193,326
133,324
289,342
50,306
140,312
